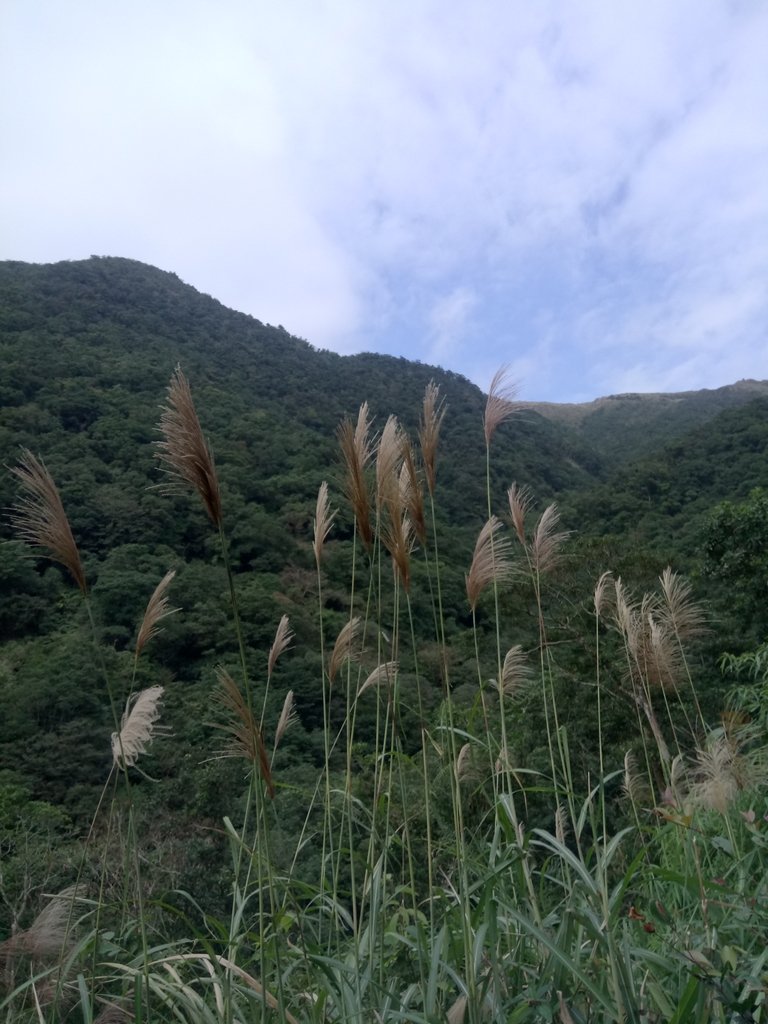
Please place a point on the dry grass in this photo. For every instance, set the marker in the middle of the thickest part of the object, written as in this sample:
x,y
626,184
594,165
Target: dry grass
x,y
515,671
500,404
433,411
357,451
547,540
490,562
157,610
344,647
288,716
283,638
184,451
137,727
39,517
323,521
245,736
519,503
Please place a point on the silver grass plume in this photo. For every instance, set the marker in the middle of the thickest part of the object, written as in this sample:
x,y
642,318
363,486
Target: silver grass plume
x,y
157,610
685,617
433,411
515,671
344,647
500,404
357,451
547,540
137,727
48,935
490,562
283,637
384,673
287,717
39,517
245,735
323,521
519,503
464,763
601,588
184,450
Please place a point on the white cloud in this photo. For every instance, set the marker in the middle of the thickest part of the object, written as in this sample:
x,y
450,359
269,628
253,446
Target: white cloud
x,y
580,189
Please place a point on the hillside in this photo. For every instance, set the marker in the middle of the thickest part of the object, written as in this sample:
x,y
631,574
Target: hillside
x,y
345,735
624,427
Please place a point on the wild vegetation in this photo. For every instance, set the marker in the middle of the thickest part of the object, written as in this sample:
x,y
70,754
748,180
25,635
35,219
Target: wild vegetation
x,y
436,873
374,732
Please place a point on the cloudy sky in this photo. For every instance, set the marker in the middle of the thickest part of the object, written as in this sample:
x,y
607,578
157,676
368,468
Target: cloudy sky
x,y
579,190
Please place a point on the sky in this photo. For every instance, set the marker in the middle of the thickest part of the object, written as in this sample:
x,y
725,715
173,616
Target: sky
x,y
578,191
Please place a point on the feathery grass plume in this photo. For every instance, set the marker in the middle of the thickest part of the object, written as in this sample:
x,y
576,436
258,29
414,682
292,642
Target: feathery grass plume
x,y
411,494
634,784
184,451
685,617
246,739
49,933
157,610
137,727
384,673
283,637
601,588
514,671
343,648
287,717
464,763
357,451
39,517
433,411
724,770
662,657
500,404
624,613
490,561
323,521
388,458
519,503
547,540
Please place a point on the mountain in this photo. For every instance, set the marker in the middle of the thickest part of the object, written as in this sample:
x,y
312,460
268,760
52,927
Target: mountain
x,y
87,350
623,427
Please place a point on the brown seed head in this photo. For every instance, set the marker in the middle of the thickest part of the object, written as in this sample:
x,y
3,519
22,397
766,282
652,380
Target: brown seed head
x,y
490,562
519,503
184,451
515,671
39,517
157,610
345,647
433,411
323,521
283,637
500,404
547,540
243,729
357,451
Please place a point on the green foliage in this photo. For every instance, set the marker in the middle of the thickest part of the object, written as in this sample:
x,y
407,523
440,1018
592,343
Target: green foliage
x,y
433,838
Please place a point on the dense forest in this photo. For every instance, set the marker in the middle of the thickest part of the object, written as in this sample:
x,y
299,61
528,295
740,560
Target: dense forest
x,y
348,648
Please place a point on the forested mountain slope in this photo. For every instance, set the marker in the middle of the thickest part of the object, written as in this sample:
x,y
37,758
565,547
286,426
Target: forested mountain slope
x,y
87,350
625,427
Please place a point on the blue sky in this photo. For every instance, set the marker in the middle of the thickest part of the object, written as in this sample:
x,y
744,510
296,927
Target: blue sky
x,y
578,190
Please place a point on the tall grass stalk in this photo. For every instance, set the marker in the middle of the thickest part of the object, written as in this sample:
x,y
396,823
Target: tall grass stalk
x,y
629,907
